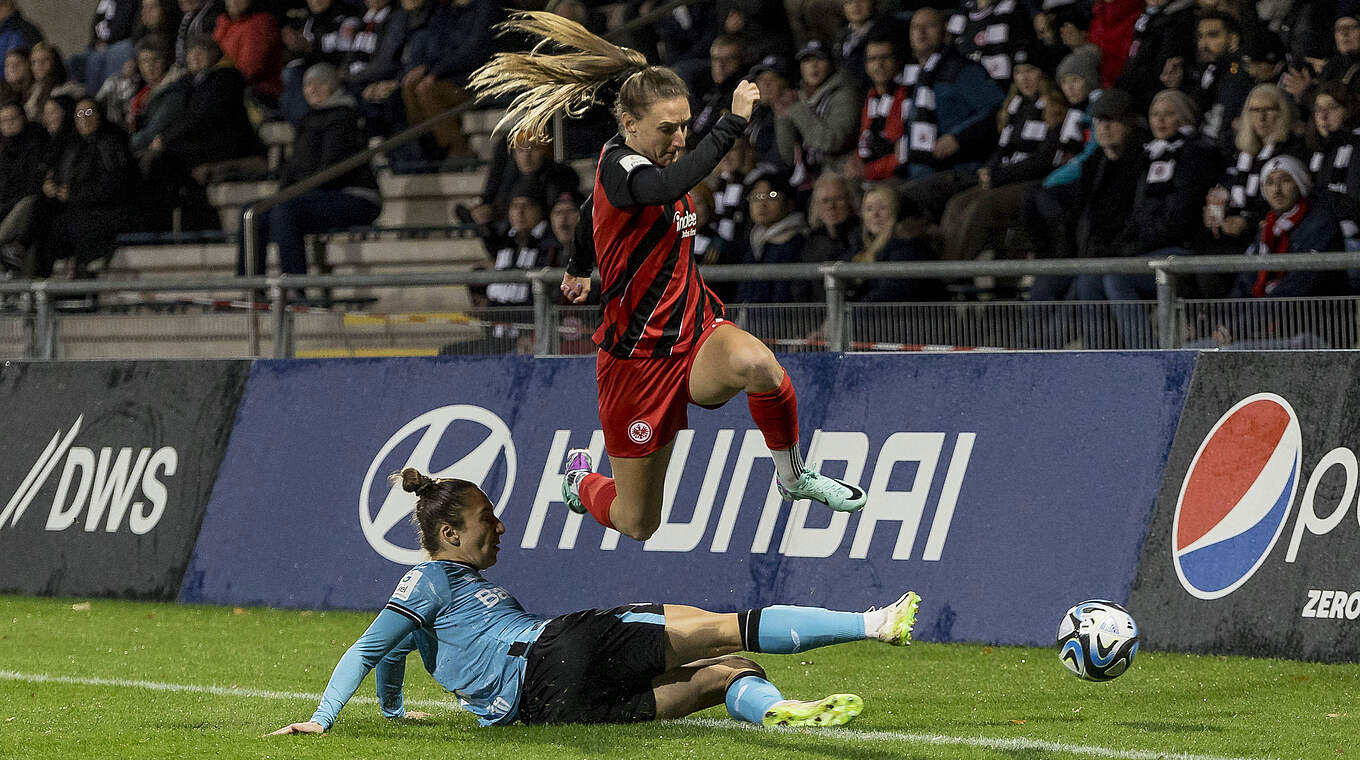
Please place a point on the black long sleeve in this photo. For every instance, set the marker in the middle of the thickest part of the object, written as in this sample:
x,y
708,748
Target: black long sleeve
x,y
581,255
653,185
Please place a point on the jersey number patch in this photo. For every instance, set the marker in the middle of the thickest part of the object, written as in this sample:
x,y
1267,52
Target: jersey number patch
x,y
491,596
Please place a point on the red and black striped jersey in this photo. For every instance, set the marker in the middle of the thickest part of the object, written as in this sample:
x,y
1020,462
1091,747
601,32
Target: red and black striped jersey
x,y
654,300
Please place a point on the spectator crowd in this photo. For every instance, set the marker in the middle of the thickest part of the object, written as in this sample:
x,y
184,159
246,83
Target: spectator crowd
x,y
888,130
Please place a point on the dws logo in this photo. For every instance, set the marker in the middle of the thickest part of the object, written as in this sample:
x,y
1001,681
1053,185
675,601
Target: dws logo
x,y
1237,494
453,426
105,484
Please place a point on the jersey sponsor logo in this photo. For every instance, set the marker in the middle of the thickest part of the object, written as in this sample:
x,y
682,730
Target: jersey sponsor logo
x,y
1236,496
104,486
685,223
489,460
407,585
633,161
639,431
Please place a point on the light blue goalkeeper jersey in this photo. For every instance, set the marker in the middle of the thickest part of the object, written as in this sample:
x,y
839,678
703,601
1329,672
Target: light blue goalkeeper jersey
x,y
472,636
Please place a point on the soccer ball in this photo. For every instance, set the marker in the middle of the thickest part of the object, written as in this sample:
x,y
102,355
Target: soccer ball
x,y
1097,640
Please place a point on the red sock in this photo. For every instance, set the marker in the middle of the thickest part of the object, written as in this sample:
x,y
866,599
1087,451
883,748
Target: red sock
x,y
597,494
776,414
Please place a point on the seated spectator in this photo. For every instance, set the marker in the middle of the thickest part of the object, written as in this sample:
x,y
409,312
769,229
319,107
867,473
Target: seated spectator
x,y
250,39
1234,208
1263,54
950,129
15,30
368,41
709,246
1344,67
85,196
374,77
778,236
1163,36
835,225
893,230
563,214
862,22
325,36
1112,23
1100,201
1334,168
1294,224
158,17
457,39
1220,82
110,45
820,127
882,145
198,19
771,76
727,62
1180,167
59,120
49,78
533,161
213,129
1030,144
18,83
331,132
989,32
162,98
23,145
526,245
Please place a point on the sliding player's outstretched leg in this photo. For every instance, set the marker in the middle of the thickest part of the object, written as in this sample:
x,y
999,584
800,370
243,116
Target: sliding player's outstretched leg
x,y
732,360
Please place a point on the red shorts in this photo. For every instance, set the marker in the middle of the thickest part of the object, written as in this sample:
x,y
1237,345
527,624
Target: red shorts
x,y
644,402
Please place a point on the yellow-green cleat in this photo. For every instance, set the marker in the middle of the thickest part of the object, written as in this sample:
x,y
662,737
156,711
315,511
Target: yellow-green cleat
x,y
835,710
899,619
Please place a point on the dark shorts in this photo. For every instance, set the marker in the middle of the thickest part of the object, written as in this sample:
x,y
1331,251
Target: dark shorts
x,y
595,666
644,402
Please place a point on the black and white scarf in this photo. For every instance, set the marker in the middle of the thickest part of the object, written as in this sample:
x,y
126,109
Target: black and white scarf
x,y
986,36
918,112
1244,187
1333,172
1072,135
1025,130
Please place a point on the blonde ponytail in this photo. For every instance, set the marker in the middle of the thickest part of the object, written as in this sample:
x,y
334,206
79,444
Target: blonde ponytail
x,y
542,83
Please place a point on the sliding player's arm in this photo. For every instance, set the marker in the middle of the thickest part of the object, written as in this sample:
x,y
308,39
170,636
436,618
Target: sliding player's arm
x,y
390,674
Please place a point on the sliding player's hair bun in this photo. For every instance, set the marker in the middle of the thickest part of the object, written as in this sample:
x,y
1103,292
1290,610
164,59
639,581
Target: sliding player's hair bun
x,y
414,481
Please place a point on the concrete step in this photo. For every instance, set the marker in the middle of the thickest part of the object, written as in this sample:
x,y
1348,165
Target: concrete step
x,y
344,256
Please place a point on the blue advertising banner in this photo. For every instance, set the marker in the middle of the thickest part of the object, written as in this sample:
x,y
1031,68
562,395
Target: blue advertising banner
x,y
1002,487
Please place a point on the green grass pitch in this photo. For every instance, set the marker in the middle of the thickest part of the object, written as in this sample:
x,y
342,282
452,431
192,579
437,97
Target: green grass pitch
x,y
105,679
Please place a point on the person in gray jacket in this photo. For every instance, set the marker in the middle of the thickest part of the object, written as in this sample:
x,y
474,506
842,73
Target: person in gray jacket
x,y
819,127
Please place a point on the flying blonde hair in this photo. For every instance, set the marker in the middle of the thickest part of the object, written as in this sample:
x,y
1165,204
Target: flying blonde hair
x,y
543,83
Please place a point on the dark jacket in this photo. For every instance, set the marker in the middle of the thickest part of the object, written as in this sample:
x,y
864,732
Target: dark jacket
x,y
1107,189
215,126
114,24
1174,176
466,38
327,135
966,102
1220,90
384,62
884,290
21,165
98,170
826,244
503,176
785,243
328,35
1335,167
1317,231
1159,34
1346,69
164,106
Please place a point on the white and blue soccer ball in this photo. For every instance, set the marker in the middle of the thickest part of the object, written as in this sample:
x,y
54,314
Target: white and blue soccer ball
x,y
1097,640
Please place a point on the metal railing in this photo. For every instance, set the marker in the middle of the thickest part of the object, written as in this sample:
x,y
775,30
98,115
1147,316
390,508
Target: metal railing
x,y
835,324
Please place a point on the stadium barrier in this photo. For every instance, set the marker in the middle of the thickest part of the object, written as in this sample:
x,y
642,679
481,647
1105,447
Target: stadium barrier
x,y
1003,487
107,471
1253,545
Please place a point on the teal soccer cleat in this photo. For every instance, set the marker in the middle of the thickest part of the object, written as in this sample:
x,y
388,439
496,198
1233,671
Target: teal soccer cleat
x,y
835,710
579,465
836,494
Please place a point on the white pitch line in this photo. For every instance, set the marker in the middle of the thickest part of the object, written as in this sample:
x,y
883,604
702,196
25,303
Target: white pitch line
x,y
897,738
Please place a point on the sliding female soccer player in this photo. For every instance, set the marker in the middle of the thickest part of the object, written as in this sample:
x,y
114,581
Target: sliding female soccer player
x,y
663,342
627,664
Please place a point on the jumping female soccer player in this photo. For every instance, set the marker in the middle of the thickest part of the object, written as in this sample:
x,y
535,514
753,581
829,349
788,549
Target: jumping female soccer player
x,y
663,341
627,664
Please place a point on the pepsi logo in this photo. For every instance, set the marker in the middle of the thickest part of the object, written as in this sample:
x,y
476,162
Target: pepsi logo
x,y
1236,496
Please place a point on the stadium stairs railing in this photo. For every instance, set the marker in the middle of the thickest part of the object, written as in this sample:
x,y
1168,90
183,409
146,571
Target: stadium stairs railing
x,y
41,323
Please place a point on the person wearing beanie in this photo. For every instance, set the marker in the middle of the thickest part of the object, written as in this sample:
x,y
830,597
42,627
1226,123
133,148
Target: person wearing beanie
x,y
1295,224
1179,165
819,127
1219,83
1345,65
1264,54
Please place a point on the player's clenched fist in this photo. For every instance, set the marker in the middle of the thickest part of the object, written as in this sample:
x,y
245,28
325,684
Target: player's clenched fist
x,y
744,98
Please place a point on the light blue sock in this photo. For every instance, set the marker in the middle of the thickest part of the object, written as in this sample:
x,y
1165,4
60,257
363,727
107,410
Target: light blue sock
x,y
749,697
785,630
